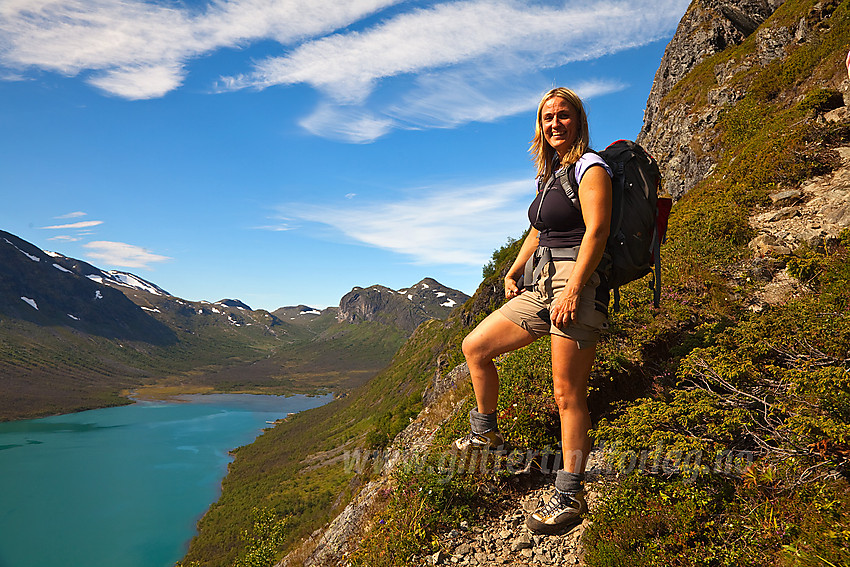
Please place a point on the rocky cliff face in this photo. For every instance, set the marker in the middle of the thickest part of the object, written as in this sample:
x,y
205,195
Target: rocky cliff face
x,y
679,135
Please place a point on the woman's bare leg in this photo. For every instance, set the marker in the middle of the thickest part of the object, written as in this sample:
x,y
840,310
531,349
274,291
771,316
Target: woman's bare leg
x,y
495,335
570,373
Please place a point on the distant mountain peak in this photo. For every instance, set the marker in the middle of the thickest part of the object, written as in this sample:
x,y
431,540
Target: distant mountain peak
x,y
49,289
116,277
235,303
406,308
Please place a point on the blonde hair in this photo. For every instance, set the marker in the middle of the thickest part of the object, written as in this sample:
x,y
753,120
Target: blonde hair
x,y
543,154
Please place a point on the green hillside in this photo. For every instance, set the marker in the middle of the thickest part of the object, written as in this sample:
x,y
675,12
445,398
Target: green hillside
x,y
87,371
272,474
704,376
748,410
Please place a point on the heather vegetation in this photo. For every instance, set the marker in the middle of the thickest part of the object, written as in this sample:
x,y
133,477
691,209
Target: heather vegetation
x,y
728,429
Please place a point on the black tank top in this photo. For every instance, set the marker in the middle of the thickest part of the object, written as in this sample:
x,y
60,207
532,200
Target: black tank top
x,y
560,223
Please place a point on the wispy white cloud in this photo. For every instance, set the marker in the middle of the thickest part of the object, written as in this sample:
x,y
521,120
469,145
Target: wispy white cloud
x,y
459,98
139,49
346,122
439,59
274,227
74,215
81,224
438,226
478,60
347,65
447,101
122,254
280,222
65,238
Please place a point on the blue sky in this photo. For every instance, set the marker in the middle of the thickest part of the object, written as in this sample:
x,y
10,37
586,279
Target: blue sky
x,y
284,151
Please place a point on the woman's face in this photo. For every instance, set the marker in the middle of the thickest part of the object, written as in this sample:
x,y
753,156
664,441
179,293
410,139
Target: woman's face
x,y
560,124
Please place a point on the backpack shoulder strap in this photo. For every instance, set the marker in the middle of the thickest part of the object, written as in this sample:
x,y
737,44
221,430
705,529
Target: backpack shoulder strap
x,y
569,182
567,179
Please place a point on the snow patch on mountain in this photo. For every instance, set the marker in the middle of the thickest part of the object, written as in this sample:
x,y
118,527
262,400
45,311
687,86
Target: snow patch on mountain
x,y
135,282
30,256
235,303
28,300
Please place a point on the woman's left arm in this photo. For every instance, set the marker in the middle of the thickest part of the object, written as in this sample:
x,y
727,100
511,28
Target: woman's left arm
x,y
595,196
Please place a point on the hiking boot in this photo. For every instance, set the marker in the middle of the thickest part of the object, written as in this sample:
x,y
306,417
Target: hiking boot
x,y
562,512
491,440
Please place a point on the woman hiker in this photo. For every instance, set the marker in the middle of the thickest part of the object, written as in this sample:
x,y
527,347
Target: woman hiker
x,y
567,301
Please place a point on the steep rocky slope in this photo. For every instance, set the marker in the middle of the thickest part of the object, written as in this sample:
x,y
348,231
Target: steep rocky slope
x,y
683,127
682,136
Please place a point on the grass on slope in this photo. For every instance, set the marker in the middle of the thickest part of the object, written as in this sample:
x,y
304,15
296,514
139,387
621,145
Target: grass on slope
x,y
51,370
85,371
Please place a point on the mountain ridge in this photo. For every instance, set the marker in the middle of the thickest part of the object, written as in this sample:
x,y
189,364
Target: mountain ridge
x,y
128,333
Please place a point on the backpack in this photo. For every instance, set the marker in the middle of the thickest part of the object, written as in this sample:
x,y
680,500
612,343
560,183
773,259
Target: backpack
x,y
638,216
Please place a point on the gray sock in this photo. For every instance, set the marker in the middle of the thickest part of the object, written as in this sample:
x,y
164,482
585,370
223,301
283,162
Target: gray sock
x,y
568,482
482,422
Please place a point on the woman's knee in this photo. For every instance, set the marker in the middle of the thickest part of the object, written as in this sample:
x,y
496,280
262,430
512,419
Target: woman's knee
x,y
569,400
474,348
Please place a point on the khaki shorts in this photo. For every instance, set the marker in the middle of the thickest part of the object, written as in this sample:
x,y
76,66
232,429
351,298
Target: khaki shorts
x,y
530,309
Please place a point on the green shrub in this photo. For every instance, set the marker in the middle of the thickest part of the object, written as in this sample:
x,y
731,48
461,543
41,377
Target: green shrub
x,y
648,521
262,543
501,257
822,100
806,265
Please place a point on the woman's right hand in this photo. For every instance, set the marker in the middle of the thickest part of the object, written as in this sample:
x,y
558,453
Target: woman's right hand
x,y
511,288
529,245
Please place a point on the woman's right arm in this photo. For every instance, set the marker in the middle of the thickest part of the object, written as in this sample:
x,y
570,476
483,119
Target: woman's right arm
x,y
529,245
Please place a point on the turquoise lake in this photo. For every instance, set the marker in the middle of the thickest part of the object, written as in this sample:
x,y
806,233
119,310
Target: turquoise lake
x,y
125,486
